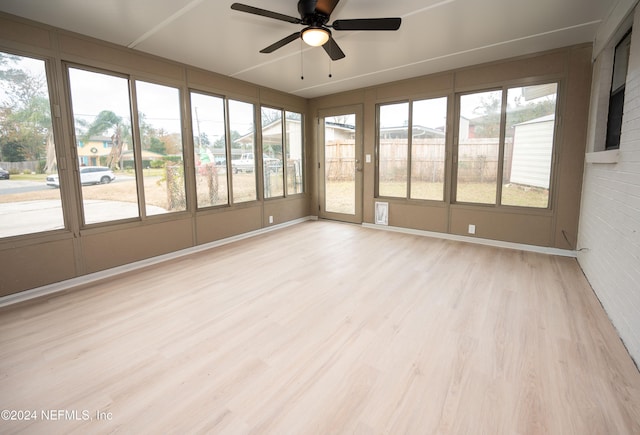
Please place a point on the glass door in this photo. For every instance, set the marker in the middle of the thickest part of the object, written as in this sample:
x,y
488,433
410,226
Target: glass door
x,y
341,164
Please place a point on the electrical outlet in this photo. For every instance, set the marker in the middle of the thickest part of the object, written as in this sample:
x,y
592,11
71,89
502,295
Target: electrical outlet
x,y
270,219
472,229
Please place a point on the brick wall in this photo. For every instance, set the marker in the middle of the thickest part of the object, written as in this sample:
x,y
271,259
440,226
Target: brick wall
x,y
610,213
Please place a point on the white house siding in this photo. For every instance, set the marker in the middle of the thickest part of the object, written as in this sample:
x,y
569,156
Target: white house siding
x,y
532,150
610,214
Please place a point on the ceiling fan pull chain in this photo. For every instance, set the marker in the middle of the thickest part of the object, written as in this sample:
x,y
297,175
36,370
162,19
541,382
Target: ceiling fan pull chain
x,y
301,61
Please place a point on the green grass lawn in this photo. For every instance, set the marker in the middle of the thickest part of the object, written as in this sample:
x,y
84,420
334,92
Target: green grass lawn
x,y
477,193
29,177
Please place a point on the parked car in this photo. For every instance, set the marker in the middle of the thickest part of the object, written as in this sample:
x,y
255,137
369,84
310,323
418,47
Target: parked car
x,y
88,175
246,163
4,174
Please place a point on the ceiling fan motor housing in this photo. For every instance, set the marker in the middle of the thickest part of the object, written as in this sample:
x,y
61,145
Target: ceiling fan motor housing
x,y
309,15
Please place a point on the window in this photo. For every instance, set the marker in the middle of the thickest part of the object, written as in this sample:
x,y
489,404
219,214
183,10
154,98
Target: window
x,y
159,122
616,97
428,130
393,146
478,147
27,149
101,112
207,114
528,145
280,163
272,160
243,147
506,160
411,155
294,138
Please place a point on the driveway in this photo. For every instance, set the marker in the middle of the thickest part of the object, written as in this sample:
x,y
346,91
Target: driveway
x,y
17,218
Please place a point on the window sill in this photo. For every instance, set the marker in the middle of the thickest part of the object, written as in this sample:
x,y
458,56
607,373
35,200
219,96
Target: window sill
x,y
603,157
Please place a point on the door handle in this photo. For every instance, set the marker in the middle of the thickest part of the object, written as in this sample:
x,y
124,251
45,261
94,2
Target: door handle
x,y
358,167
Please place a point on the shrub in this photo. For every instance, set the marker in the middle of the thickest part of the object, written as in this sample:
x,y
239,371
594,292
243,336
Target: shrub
x,y
156,164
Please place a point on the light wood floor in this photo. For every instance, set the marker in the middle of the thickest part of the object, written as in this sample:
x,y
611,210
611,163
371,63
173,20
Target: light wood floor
x,y
325,328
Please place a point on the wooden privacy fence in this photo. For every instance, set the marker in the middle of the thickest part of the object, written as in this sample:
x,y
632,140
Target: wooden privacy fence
x,y
14,167
340,160
478,159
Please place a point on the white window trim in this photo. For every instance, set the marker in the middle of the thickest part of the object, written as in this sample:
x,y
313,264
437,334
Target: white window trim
x,y
603,157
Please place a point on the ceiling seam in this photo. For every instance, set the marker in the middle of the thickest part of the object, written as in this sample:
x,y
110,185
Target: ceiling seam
x,y
165,22
342,36
484,47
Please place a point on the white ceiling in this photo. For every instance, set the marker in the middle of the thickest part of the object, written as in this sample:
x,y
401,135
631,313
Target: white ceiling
x,y
436,35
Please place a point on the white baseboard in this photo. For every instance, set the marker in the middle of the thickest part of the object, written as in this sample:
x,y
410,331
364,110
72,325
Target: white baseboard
x,y
477,240
109,273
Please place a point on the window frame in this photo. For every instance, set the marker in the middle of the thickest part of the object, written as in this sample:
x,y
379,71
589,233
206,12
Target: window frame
x,y
447,145
559,82
56,132
75,158
285,148
227,148
302,156
617,96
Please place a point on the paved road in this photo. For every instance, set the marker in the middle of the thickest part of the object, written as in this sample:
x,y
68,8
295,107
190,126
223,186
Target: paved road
x,y
21,186
27,217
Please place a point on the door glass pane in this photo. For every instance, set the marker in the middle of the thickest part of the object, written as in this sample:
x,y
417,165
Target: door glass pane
x,y
207,114
242,128
528,145
478,147
101,113
428,130
272,152
161,141
27,150
293,142
339,164
394,150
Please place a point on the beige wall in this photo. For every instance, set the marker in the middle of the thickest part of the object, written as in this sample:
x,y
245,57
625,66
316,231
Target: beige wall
x,y
39,259
549,228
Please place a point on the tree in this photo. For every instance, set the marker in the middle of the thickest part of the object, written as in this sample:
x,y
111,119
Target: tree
x,y
487,124
234,139
157,146
270,116
25,114
108,122
13,152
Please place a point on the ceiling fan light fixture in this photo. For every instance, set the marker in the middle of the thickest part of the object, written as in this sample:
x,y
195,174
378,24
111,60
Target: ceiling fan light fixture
x,y
315,36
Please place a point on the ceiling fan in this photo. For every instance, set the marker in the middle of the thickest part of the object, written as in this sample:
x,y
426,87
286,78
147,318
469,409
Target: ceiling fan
x,y
314,14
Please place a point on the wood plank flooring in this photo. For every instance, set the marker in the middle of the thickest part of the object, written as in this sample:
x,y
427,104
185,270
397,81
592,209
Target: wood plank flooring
x,y
323,328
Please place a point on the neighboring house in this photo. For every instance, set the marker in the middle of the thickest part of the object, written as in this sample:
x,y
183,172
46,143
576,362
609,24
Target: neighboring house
x,y
272,140
532,151
147,157
419,132
90,151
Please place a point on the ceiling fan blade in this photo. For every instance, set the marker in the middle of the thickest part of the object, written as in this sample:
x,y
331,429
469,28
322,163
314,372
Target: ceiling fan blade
x,y
368,24
326,6
281,43
265,13
333,50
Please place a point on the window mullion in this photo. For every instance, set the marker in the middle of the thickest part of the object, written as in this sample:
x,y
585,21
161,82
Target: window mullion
x,y
503,128
137,149
409,147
